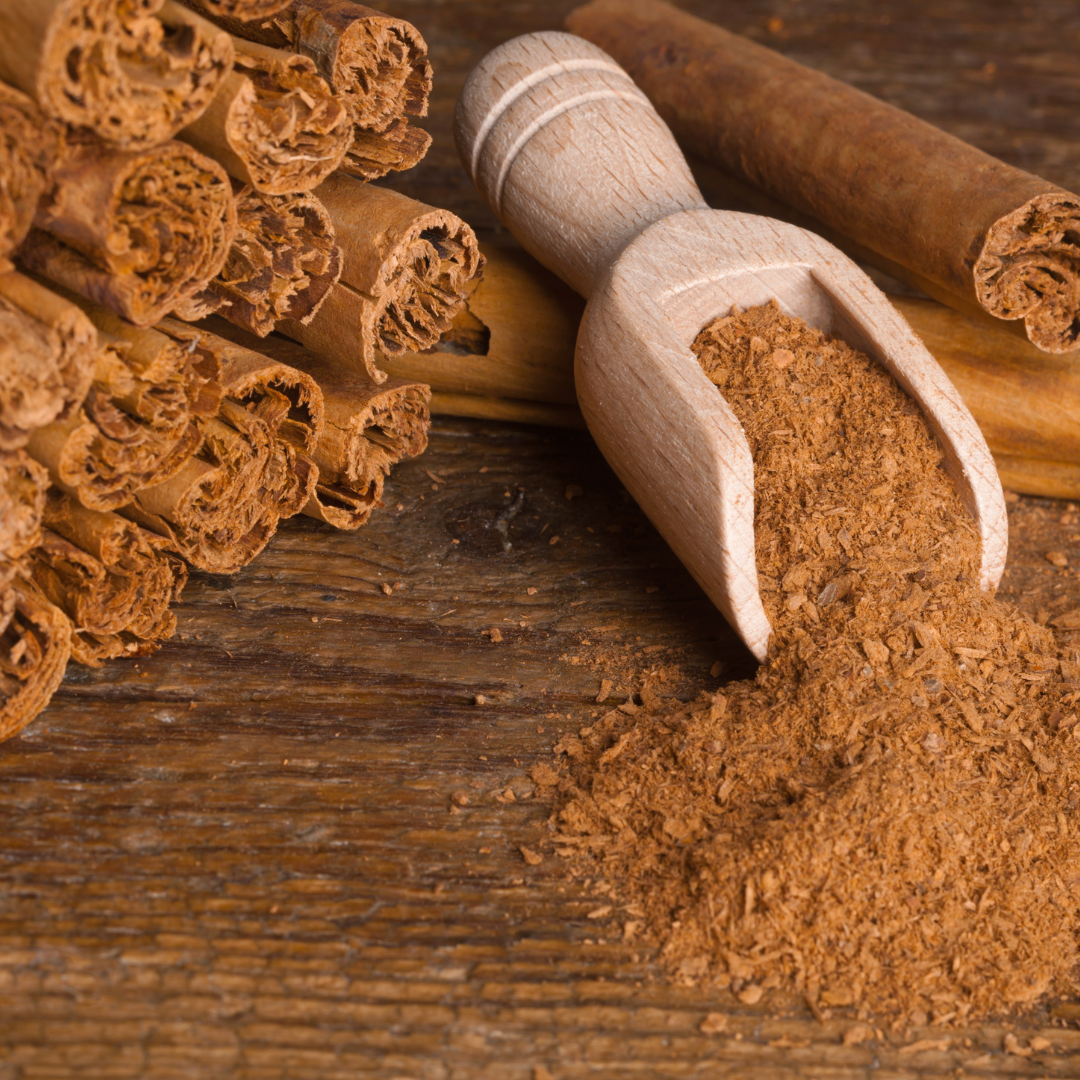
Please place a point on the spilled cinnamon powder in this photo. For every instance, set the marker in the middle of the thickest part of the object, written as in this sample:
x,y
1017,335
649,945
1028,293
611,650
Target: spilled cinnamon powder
x,y
886,816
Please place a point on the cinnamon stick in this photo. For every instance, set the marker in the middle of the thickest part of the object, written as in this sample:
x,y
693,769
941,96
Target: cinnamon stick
x,y
405,272
221,509
30,144
137,426
1026,402
34,648
369,428
513,338
136,231
155,367
274,123
133,74
506,409
113,580
376,64
104,453
48,353
212,512
513,360
282,264
979,231
1036,476
242,10
23,484
287,400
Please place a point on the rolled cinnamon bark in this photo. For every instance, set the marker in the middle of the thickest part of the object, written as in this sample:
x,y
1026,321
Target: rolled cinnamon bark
x,y
979,230
513,339
161,380
274,123
287,400
221,509
48,355
213,511
30,144
132,74
243,10
1026,402
34,650
368,429
137,426
97,602
23,483
1037,476
282,264
378,65
111,578
406,270
509,410
138,232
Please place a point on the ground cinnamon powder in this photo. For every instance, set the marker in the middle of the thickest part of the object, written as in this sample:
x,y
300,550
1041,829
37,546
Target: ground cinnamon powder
x,y
886,816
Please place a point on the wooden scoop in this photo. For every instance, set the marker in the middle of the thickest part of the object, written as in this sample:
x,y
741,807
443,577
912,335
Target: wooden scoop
x,y
576,162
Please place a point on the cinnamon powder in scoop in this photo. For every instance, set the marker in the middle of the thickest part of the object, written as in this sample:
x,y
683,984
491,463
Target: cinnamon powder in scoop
x,y
886,816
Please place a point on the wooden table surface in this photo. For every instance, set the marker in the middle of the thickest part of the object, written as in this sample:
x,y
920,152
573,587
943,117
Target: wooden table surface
x,y
241,857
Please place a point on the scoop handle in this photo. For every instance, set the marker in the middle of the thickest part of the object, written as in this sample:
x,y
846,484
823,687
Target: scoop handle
x,y
569,153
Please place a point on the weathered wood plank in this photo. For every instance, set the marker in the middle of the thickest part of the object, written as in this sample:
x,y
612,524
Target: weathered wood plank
x,y
271,883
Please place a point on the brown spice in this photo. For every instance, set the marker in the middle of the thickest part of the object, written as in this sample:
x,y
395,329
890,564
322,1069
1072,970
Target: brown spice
x,y
885,817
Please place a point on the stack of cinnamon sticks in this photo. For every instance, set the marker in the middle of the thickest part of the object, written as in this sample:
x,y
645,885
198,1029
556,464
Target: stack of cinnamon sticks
x,y
177,183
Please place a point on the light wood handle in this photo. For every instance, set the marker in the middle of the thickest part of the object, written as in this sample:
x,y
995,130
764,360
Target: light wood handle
x,y
569,153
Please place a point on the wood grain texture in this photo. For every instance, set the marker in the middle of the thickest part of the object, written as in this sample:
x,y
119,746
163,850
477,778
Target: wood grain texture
x,y
177,901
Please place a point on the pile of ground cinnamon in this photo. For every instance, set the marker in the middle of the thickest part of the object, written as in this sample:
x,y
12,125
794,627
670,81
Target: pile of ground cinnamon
x,y
885,817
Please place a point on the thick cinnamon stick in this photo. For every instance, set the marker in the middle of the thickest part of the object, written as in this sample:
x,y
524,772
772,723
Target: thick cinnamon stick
x,y
405,273
287,400
980,230
378,65
251,470
30,144
509,410
1037,476
98,603
113,580
1026,402
34,650
23,483
511,339
212,511
282,264
133,74
138,232
274,123
242,10
156,367
48,353
104,452
137,426
369,428
513,359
